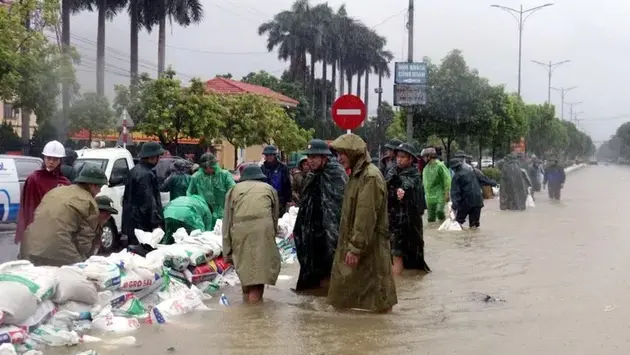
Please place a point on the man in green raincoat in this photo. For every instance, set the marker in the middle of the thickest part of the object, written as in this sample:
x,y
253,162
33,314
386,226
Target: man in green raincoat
x,y
362,268
188,212
212,183
436,179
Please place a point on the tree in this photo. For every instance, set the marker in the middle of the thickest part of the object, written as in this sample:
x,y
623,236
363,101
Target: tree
x,y
181,12
242,119
510,122
546,134
9,140
172,111
92,113
374,131
31,68
396,129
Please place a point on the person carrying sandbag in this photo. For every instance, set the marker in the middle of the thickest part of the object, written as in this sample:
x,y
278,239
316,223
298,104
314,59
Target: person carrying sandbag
x,y
64,229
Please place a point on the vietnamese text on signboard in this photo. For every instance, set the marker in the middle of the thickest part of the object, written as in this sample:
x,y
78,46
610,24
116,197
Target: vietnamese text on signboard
x,y
410,95
410,73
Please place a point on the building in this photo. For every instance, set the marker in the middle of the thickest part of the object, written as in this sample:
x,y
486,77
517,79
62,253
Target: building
x,y
226,151
14,118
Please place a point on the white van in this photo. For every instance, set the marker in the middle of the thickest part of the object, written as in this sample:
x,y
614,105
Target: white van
x,y
14,169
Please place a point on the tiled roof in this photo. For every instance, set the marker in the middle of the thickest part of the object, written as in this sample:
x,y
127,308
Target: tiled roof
x,y
227,86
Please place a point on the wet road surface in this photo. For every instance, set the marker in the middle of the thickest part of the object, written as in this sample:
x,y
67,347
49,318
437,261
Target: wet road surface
x,y
562,269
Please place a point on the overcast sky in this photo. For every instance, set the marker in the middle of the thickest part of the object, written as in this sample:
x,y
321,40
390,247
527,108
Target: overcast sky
x,y
594,35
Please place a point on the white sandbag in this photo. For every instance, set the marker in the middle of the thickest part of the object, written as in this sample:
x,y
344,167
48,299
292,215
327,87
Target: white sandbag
x,y
7,349
178,254
74,286
43,312
529,202
104,273
106,321
51,336
39,281
150,238
450,224
129,260
137,278
16,303
218,227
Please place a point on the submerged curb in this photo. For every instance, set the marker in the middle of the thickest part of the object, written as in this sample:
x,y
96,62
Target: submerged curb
x,y
573,168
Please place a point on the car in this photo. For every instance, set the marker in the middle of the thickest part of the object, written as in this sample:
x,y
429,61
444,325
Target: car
x,y
486,163
14,169
164,167
116,163
236,174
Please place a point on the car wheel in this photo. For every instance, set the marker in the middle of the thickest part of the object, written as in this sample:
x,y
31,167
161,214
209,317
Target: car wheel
x,y
109,238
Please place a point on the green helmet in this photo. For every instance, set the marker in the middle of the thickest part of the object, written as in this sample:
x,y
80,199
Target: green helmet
x,y
207,160
91,175
105,204
393,143
317,147
270,150
406,148
252,172
151,149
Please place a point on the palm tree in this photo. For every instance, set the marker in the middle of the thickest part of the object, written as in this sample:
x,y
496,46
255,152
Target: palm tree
x,y
107,9
182,12
287,33
321,22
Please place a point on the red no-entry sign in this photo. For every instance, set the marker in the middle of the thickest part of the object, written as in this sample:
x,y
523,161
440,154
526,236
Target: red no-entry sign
x,y
348,112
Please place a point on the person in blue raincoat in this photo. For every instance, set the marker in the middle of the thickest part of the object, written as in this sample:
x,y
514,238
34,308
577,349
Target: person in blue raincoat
x,y
278,176
211,182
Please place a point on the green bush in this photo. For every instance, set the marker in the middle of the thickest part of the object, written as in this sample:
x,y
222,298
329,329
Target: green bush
x,y
492,173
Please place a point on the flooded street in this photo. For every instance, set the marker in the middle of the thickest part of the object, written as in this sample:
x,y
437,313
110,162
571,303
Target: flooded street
x,y
561,268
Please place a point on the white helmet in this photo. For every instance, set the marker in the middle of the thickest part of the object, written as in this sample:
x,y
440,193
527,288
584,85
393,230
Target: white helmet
x,y
54,149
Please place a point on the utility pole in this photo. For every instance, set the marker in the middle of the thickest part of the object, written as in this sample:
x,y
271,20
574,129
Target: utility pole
x,y
410,60
577,121
571,105
518,15
563,92
551,67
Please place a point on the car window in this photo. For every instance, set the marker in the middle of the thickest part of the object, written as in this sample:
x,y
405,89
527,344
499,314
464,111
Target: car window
x,y
79,164
120,168
25,167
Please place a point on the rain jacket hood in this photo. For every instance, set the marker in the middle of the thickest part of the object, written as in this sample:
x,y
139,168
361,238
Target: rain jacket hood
x,y
36,186
212,187
356,150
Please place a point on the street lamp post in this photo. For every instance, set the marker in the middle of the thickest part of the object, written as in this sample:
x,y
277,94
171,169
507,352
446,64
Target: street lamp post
x,y
518,15
563,92
571,105
550,69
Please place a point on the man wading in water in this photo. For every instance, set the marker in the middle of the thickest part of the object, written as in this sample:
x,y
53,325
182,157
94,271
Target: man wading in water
x,y
406,205
362,270
316,230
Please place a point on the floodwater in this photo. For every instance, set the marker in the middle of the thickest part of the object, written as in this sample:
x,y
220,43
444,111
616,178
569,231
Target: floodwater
x,y
561,269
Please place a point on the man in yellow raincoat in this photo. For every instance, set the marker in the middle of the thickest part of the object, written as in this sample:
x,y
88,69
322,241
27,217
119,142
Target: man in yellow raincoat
x,y
249,232
362,268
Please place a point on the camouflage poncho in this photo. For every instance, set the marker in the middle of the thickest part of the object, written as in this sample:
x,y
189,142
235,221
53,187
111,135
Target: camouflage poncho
x,y
513,193
316,229
405,216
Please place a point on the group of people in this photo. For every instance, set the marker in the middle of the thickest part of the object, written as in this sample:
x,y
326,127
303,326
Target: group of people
x,y
522,176
358,224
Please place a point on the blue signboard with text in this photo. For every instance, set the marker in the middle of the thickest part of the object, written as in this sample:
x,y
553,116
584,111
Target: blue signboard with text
x,y
410,73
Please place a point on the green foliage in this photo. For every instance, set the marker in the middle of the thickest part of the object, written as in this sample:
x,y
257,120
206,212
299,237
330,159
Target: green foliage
x,y
396,129
172,111
374,131
492,173
546,134
44,133
31,68
9,140
92,113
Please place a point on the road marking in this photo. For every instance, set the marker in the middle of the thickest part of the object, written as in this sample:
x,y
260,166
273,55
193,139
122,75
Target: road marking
x,y
349,111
